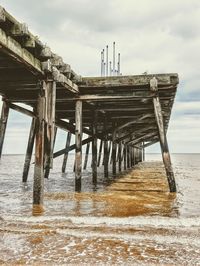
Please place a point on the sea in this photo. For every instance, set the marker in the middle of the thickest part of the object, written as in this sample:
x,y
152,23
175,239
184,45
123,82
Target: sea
x,y
98,226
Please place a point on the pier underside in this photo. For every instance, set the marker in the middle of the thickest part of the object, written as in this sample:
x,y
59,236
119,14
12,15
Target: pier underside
x,y
127,113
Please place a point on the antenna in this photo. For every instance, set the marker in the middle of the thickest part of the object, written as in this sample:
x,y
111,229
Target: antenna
x,y
103,69
101,63
110,68
114,57
118,65
106,60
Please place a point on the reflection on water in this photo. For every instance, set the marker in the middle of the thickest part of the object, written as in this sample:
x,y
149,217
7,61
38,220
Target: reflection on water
x,y
132,219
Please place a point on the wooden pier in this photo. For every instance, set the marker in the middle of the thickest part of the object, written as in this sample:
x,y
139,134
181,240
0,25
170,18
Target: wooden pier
x,y
127,113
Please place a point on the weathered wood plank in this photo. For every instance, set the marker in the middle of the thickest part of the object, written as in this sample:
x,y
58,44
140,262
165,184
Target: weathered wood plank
x,y
78,143
38,183
50,99
3,124
133,134
164,145
47,170
106,154
100,152
125,156
29,150
94,148
136,80
14,49
86,155
114,151
67,146
120,156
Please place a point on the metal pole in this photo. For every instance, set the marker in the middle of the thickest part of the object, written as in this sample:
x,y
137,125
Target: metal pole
x,y
114,58
110,68
118,64
106,60
103,64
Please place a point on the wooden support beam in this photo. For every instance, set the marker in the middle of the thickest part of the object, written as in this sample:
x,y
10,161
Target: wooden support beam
x,y
3,124
125,157
120,156
86,155
64,81
66,151
58,123
15,50
29,150
114,146
140,118
38,183
136,80
144,137
94,148
50,99
106,153
164,145
21,109
133,156
78,143
47,170
143,152
151,142
140,152
100,152
71,148
134,133
128,156
110,151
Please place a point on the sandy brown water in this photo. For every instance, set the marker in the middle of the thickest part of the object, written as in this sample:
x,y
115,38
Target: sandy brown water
x,y
127,221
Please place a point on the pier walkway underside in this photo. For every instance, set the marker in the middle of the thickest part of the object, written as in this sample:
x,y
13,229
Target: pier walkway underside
x,y
128,113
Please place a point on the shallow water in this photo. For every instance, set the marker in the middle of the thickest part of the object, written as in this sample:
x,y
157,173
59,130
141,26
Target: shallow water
x,y
109,223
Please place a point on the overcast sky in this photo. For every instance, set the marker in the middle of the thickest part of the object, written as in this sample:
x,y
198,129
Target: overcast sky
x,y
152,35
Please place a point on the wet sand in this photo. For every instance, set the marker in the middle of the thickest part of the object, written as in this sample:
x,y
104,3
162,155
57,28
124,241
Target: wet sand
x,y
134,220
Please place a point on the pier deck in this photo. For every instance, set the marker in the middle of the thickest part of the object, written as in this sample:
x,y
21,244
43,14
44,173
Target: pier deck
x,y
131,112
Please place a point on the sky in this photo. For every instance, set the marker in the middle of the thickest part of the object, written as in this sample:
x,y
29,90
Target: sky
x,y
156,36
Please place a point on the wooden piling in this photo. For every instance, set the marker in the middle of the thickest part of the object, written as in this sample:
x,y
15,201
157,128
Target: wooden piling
x,y
78,143
94,148
50,98
110,152
120,156
100,152
106,154
125,157
143,151
66,152
131,156
29,150
47,170
38,183
128,156
164,144
86,155
3,124
114,146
